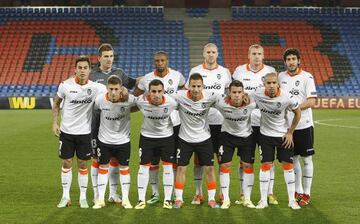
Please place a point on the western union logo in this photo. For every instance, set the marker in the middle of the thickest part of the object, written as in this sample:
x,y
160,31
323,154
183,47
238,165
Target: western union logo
x,y
22,102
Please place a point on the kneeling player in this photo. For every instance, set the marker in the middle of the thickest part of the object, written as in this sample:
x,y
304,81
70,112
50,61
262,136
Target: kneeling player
x,y
114,137
156,140
236,132
274,103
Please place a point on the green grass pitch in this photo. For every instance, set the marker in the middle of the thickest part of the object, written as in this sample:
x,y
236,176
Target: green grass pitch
x,y
30,179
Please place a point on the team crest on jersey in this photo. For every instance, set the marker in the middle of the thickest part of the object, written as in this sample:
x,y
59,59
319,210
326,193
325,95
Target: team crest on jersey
x,y
278,105
203,105
89,91
218,76
170,82
245,111
122,109
297,83
166,110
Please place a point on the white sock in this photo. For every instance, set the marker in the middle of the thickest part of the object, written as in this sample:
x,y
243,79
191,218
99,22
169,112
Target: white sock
x,y
168,180
102,182
225,182
264,178
298,175
94,178
125,182
142,180
154,176
248,183
289,176
66,178
241,178
211,191
308,174
198,174
179,189
83,179
272,180
113,178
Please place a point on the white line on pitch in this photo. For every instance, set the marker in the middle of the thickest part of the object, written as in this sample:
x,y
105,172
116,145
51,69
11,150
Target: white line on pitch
x,y
321,122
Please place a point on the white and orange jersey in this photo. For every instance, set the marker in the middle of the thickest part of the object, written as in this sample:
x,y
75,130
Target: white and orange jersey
x,y
114,119
300,86
215,80
252,81
237,120
194,127
172,81
78,101
273,111
157,122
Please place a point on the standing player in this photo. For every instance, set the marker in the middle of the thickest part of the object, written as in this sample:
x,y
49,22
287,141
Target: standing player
x,y
236,132
78,94
114,137
172,81
194,137
100,74
251,75
216,79
156,140
274,103
301,86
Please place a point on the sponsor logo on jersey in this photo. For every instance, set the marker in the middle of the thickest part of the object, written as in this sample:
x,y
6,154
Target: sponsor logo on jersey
x,y
85,101
215,86
236,119
275,112
283,82
106,109
73,91
313,93
158,118
294,92
89,91
196,114
228,111
115,118
169,91
245,79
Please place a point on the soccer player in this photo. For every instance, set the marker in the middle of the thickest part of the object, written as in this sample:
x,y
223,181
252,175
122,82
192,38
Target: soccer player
x,y
216,79
236,132
100,73
78,94
274,103
156,140
301,86
172,81
251,75
114,107
194,136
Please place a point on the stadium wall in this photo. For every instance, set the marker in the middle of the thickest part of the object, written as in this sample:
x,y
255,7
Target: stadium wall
x,y
30,103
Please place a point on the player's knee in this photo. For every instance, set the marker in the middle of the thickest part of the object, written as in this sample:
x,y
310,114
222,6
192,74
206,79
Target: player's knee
x,y
104,166
81,164
181,170
67,163
209,169
307,160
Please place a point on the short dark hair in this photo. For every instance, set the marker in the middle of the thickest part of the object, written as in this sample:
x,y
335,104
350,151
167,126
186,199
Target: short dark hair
x,y
164,53
156,82
236,83
114,80
105,47
196,76
291,51
83,58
